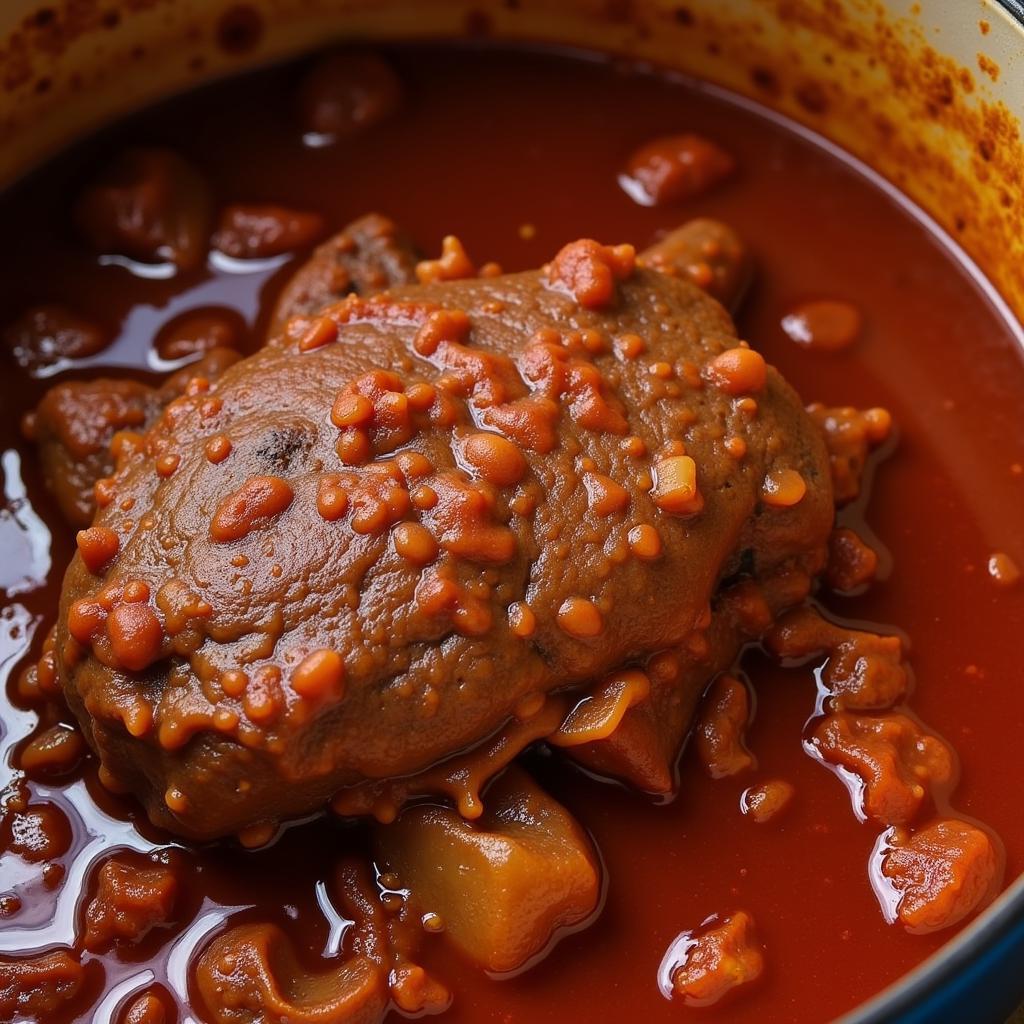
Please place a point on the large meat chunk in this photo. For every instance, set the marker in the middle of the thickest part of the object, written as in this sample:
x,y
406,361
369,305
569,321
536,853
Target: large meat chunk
x,y
410,518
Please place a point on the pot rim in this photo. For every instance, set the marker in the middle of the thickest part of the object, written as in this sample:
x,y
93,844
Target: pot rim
x,y
957,966
963,962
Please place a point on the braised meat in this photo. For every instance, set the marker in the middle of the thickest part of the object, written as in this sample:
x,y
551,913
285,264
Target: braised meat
x,y
411,518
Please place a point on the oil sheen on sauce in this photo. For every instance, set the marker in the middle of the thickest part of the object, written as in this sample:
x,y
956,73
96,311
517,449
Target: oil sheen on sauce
x,y
516,154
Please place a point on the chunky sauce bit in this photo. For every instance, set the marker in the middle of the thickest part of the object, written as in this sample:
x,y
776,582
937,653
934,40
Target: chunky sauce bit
x,y
408,558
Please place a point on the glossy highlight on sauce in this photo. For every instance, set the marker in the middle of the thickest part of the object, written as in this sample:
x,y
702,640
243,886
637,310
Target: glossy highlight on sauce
x,y
946,370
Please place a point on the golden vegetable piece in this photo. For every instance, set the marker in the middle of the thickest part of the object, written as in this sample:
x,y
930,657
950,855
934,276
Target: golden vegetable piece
x,y
675,486
98,545
588,271
147,1008
738,371
580,618
55,751
453,264
599,714
504,884
783,488
256,502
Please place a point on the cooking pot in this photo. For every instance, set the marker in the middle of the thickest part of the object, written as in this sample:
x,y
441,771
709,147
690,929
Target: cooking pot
x,y
929,95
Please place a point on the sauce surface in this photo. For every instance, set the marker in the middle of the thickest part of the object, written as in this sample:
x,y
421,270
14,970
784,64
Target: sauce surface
x,y
485,144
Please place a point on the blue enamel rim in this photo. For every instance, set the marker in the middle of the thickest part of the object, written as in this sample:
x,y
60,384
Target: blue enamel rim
x,y
978,978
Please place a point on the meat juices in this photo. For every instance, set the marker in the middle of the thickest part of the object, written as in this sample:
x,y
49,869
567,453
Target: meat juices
x,y
369,557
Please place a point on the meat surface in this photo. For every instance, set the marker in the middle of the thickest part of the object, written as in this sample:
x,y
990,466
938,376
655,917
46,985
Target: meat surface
x,y
708,253
365,257
73,426
437,507
76,421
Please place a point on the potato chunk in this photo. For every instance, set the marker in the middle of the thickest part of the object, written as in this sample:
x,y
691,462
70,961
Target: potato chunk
x,y
504,884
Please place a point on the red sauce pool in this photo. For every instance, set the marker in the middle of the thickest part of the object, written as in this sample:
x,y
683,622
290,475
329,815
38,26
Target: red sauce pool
x,y
487,142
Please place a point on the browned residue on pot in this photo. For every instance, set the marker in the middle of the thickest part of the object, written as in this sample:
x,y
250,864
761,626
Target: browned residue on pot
x,y
873,83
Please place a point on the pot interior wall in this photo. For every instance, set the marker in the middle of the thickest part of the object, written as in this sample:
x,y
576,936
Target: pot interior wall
x,y
923,92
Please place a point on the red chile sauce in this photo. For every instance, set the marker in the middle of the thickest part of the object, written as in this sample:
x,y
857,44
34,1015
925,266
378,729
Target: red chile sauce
x,y
486,142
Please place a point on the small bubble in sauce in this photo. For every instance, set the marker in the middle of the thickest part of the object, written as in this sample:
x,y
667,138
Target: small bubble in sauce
x,y
233,682
1003,569
217,448
766,801
823,325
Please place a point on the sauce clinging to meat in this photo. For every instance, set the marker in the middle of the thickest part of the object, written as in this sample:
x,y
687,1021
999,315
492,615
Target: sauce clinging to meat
x,y
516,154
